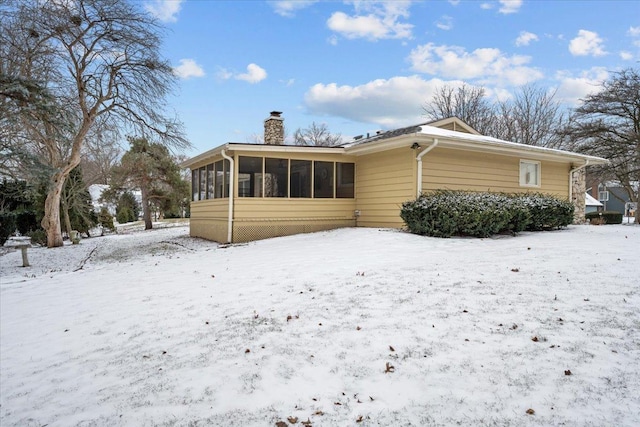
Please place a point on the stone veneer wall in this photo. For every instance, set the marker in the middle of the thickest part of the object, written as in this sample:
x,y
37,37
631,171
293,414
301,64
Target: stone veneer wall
x,y
274,130
579,187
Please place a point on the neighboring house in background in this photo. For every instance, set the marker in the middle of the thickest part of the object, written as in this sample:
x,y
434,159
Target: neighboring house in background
x,y
616,196
244,192
591,204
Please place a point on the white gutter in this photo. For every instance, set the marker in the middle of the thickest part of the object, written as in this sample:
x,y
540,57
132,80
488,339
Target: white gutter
x,y
419,159
231,192
586,163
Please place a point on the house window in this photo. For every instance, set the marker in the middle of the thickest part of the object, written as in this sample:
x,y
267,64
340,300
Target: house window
x,y
300,178
345,177
210,181
194,184
250,177
323,179
275,178
529,173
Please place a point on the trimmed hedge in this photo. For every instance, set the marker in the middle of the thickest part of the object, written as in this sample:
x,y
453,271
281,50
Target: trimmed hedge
x,y
609,217
446,213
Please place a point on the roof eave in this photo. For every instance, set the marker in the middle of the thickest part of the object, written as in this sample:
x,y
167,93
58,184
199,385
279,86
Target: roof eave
x,y
266,148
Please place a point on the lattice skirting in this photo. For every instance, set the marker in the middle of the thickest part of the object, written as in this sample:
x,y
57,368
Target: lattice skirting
x,y
249,231
210,229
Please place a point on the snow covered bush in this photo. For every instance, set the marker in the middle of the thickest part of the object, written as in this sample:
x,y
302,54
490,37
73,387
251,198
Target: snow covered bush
x,y
547,212
446,213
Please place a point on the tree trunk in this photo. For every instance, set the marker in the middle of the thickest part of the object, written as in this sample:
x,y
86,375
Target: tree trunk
x,y
51,220
146,209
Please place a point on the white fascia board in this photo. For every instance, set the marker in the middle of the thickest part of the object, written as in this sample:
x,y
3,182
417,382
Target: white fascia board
x,y
521,150
265,148
203,156
476,143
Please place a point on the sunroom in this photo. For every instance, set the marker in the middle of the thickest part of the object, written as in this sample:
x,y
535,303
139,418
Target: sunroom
x,y
275,191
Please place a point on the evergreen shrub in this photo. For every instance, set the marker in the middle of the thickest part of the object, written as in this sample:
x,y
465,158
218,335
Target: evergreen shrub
x,y
125,214
38,237
105,219
7,225
609,217
446,213
26,221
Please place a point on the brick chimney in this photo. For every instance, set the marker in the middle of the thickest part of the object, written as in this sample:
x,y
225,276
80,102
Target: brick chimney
x,y
274,129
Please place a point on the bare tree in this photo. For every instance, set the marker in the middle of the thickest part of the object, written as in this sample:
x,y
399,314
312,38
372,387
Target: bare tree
x,y
101,153
531,117
607,124
468,103
97,59
316,135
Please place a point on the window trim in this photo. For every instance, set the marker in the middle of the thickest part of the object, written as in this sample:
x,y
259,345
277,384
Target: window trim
x,y
538,166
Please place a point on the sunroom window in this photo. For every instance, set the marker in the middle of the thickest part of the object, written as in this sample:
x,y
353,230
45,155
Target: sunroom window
x,y
300,178
275,177
345,177
250,177
323,179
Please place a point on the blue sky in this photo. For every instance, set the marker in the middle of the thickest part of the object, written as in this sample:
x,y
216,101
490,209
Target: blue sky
x,y
360,66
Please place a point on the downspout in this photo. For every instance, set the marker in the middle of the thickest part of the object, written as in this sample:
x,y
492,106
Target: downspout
x,y
419,159
586,163
231,193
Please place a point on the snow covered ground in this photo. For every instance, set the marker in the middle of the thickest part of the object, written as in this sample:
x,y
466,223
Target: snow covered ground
x,y
356,327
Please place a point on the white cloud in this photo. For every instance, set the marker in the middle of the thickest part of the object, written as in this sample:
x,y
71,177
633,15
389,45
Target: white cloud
x,y
288,8
573,88
445,23
486,6
487,65
634,31
587,43
332,40
254,74
188,68
224,74
626,56
388,103
525,38
164,10
373,21
454,2
509,6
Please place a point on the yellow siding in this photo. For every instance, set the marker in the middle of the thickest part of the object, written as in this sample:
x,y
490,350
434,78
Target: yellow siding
x,y
465,170
383,182
259,218
209,219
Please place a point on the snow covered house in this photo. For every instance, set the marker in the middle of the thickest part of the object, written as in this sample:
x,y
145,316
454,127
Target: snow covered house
x,y
243,192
